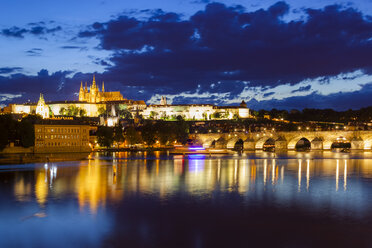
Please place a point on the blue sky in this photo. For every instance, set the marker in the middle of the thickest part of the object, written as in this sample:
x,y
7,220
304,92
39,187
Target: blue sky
x,y
291,54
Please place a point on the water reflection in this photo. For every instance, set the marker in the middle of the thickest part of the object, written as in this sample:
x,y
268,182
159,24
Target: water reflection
x,y
94,182
94,187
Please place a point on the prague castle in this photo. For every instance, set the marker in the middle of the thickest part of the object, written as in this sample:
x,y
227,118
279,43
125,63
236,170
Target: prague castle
x,y
94,102
94,95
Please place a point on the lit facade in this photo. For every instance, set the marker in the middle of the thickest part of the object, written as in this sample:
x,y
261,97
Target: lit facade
x,y
41,108
61,137
94,95
195,111
94,102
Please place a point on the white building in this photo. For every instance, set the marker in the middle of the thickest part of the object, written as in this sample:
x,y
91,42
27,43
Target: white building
x,y
195,111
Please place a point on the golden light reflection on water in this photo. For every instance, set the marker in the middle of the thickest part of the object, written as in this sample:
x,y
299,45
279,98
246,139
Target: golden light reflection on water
x,y
96,182
41,186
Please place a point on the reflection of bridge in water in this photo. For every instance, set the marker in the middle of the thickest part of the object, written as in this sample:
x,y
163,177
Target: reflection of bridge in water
x,y
317,140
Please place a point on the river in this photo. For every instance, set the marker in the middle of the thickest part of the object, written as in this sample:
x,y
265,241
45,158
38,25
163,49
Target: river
x,y
260,199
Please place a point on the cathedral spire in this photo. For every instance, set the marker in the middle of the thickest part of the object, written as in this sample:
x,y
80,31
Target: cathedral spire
x,y
103,86
81,86
41,99
94,81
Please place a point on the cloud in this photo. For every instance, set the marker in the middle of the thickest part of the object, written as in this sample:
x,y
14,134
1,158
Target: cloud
x,y
8,70
268,94
233,45
14,32
338,101
36,29
302,89
34,52
218,53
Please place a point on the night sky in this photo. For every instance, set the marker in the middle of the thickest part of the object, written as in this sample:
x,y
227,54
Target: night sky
x,y
285,55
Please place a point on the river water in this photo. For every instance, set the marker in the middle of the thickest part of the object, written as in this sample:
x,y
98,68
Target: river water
x,y
160,200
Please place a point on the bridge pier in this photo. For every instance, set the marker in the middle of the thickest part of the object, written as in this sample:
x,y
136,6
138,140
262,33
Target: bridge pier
x,y
357,144
316,144
281,144
249,144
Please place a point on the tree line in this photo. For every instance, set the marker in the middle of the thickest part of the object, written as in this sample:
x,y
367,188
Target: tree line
x,y
20,133
326,115
149,133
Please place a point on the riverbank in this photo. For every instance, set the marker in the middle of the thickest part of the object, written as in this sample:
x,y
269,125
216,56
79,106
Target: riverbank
x,y
24,158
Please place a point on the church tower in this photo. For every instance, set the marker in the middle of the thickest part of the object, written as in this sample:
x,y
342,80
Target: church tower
x,y
42,109
81,92
163,100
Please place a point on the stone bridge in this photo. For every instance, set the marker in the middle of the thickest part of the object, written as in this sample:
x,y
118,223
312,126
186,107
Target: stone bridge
x,y
319,140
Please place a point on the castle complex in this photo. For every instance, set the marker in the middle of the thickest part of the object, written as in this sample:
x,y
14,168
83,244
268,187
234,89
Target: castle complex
x,y
94,95
94,102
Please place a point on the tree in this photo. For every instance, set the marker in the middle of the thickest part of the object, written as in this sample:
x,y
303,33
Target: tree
x,y
27,133
181,131
125,114
82,112
132,136
62,111
118,133
148,134
166,132
4,134
179,118
216,115
105,136
153,115
101,111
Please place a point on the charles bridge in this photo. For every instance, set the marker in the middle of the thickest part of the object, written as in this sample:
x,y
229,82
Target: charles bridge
x,y
319,140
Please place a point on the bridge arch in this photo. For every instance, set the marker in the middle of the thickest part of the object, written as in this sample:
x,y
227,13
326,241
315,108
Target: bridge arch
x,y
209,143
239,145
303,144
294,141
340,142
261,142
220,143
231,142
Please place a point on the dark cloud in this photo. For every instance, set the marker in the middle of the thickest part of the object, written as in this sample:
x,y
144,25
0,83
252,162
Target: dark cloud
x,y
7,70
268,94
31,86
81,48
302,89
14,32
70,47
37,29
337,101
220,49
231,44
200,1
34,52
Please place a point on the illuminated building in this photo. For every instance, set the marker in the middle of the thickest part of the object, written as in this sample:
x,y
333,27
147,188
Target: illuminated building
x,y
195,111
41,108
94,95
65,136
94,102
